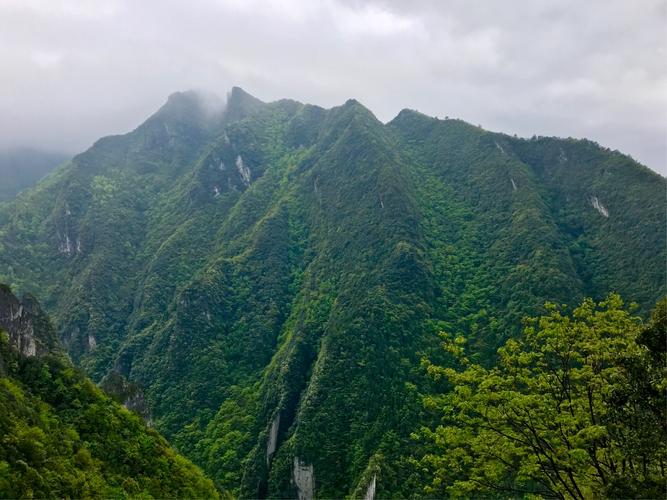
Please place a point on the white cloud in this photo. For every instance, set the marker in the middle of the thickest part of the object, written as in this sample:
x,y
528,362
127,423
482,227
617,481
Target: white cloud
x,y
573,88
76,70
46,59
371,20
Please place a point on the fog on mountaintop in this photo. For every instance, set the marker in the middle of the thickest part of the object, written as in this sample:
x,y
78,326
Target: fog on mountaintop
x,y
75,71
210,103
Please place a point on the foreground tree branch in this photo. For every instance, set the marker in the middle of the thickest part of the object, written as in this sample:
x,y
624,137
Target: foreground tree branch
x,y
572,397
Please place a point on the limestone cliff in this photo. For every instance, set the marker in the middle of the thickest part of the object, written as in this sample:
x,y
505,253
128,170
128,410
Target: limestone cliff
x,y
29,328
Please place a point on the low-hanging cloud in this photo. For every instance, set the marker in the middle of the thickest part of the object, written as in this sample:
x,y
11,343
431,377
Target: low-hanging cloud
x,y
73,71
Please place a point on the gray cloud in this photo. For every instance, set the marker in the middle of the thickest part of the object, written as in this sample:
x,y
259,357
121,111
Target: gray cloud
x,y
73,71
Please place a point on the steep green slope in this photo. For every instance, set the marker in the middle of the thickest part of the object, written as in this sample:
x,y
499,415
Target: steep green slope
x,y
526,211
270,275
60,436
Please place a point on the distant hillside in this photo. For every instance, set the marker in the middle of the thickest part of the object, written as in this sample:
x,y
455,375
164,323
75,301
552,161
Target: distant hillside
x,y
267,279
61,437
21,168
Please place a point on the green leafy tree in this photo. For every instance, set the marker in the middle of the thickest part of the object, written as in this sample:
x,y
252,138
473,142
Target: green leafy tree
x,y
574,408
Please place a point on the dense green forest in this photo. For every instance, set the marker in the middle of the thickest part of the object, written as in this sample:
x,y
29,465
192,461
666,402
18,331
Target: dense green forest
x,y
576,407
61,437
266,280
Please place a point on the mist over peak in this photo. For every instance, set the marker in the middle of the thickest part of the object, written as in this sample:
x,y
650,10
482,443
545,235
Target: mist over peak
x,y
593,70
197,104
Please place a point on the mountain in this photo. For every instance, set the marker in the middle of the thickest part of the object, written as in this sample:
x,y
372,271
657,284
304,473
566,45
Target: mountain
x,y
266,277
61,437
21,168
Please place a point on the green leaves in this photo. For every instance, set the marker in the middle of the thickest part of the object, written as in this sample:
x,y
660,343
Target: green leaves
x,y
546,420
52,446
61,437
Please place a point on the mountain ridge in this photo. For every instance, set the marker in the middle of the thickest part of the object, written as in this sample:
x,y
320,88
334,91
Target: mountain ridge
x,y
271,282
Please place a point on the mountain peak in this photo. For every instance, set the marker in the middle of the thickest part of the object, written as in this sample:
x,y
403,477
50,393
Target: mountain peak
x,y
180,101
407,114
190,106
356,105
237,92
240,104
352,107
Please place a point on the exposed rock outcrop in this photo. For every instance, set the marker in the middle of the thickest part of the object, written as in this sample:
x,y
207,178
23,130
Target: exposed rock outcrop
x,y
127,393
29,329
273,438
304,479
370,492
599,206
244,171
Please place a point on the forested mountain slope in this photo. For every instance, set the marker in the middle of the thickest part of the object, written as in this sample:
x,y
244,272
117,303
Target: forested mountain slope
x,y
270,275
61,437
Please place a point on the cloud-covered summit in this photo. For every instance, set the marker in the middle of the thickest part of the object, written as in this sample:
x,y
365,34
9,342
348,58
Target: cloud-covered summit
x,y
75,70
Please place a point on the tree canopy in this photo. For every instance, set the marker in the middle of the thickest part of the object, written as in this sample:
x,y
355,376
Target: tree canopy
x,y
574,408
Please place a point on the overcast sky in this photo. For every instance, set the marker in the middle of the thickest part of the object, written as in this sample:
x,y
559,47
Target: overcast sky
x,y
72,71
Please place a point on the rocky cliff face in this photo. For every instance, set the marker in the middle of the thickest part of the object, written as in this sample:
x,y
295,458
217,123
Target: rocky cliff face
x,y
128,394
29,329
